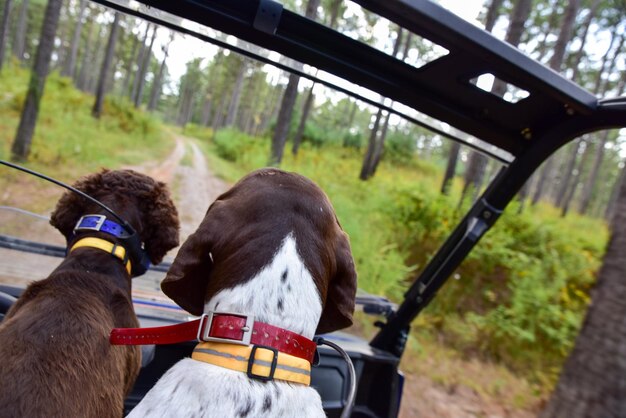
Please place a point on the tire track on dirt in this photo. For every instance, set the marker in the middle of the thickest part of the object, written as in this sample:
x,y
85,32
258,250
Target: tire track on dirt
x,y
193,188
196,188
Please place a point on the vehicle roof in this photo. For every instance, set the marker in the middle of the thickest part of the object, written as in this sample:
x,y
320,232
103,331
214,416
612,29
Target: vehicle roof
x,y
441,88
529,131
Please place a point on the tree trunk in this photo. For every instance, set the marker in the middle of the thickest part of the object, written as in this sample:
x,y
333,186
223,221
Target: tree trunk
x,y
106,65
474,175
156,84
273,97
588,187
350,121
186,105
519,16
565,181
576,180
553,20
376,141
523,195
583,38
605,59
86,62
380,146
477,161
207,107
218,116
70,64
492,14
279,138
140,58
565,35
587,150
453,157
235,98
62,45
612,203
23,138
334,14
143,70
369,153
604,84
555,62
4,30
129,67
284,120
305,115
19,45
95,62
592,380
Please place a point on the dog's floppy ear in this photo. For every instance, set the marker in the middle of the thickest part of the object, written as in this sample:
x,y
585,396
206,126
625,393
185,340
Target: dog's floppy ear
x,y
71,206
341,295
187,278
161,228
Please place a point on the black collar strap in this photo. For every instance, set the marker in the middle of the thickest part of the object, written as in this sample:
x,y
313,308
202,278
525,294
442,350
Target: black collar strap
x,y
129,239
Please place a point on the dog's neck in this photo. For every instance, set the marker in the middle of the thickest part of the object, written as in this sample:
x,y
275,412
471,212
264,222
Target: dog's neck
x,y
282,294
98,262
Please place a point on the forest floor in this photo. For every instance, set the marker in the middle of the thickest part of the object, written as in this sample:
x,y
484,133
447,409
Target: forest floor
x,y
194,186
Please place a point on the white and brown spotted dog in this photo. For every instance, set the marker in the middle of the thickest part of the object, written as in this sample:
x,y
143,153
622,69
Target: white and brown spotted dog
x,y
271,247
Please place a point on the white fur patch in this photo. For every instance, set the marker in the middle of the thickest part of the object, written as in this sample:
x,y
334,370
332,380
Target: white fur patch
x,y
195,389
282,294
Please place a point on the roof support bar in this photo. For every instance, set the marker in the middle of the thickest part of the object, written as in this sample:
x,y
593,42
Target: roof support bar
x,y
481,218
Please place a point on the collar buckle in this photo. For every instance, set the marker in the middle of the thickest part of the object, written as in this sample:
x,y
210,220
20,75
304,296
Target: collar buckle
x,y
272,365
84,223
206,322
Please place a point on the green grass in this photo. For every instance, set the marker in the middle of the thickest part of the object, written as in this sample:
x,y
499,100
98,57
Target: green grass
x,y
519,298
68,141
67,138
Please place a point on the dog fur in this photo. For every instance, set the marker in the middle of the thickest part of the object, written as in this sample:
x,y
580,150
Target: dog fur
x,y
272,247
56,360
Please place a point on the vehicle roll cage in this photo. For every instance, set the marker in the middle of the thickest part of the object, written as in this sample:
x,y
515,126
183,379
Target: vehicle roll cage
x,y
555,112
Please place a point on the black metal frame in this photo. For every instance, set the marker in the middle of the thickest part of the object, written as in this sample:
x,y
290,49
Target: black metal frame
x,y
556,111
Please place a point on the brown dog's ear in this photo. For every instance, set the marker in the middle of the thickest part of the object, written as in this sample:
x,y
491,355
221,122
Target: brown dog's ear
x,y
187,278
161,229
339,306
71,206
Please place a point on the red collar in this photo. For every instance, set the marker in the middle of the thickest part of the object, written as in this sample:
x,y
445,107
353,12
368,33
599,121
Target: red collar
x,y
222,327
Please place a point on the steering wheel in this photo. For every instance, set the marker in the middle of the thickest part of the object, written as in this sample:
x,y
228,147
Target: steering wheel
x,y
6,301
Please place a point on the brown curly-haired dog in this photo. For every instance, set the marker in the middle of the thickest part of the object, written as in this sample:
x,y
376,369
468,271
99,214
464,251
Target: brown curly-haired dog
x,y
54,342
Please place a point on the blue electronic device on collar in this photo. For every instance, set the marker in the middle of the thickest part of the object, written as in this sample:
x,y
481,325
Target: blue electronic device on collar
x,y
99,223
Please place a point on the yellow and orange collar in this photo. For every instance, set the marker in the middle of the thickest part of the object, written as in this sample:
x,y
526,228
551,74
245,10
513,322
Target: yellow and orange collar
x,y
258,362
104,245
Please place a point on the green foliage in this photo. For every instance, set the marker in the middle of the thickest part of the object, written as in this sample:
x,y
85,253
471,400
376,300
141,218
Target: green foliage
x,y
400,148
522,292
317,136
353,140
518,298
197,131
67,138
231,144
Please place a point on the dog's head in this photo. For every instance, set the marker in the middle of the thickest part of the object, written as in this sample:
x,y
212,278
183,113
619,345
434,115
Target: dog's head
x,y
142,201
244,228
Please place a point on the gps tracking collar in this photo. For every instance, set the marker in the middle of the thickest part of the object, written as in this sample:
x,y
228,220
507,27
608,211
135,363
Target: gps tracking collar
x,y
130,240
127,235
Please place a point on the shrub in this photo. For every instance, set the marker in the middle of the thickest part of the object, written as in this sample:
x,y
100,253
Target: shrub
x,y
231,144
400,148
197,131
